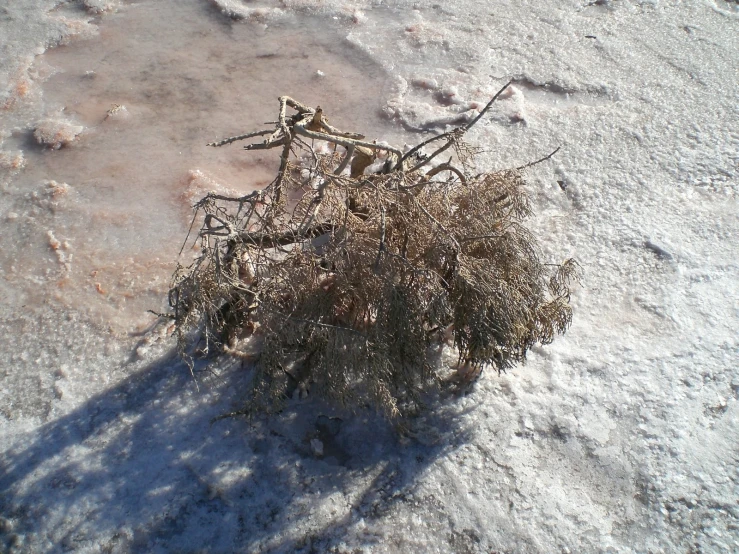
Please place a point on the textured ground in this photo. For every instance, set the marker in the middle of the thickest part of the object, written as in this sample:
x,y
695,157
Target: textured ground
x,y
622,436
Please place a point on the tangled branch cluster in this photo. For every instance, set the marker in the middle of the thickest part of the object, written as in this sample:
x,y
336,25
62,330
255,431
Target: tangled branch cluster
x,y
345,278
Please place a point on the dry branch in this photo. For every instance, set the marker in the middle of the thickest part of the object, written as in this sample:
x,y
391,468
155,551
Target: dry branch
x,y
346,279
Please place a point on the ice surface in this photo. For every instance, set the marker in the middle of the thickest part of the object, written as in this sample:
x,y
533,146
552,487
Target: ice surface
x,y
622,436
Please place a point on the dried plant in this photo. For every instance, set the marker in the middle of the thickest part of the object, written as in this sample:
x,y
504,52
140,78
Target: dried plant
x,y
342,279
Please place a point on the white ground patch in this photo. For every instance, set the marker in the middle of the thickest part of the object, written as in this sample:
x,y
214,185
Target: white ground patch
x,y
621,436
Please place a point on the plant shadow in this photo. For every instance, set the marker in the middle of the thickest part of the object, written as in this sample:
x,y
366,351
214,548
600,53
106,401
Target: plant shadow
x,y
142,467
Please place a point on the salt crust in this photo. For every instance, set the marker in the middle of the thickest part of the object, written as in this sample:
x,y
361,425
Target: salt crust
x,y
56,133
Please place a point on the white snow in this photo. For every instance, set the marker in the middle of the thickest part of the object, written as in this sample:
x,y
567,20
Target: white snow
x,y
621,436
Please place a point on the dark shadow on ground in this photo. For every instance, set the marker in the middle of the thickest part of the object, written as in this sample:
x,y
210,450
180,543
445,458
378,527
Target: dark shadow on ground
x,y
141,468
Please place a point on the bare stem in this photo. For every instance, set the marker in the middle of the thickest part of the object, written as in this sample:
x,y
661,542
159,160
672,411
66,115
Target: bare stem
x,y
284,158
450,134
446,167
239,137
346,142
545,158
487,107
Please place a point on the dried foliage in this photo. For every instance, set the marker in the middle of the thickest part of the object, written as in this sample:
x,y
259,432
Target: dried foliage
x,y
344,278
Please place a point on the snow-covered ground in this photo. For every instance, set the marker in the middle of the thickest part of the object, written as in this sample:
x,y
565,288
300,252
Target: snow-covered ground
x,y
622,436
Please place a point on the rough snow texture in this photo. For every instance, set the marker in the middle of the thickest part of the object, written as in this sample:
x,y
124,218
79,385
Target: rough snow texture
x,y
622,436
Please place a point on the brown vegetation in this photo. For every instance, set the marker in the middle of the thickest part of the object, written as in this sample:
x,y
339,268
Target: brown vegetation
x,y
341,281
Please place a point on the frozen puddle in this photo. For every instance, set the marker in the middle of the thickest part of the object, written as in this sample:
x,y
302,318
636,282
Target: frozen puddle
x,y
99,211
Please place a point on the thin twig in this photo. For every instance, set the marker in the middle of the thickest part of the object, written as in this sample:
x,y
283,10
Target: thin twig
x,y
266,145
448,134
487,107
446,167
239,137
381,248
345,161
284,159
316,203
266,240
255,196
545,158
454,137
192,223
